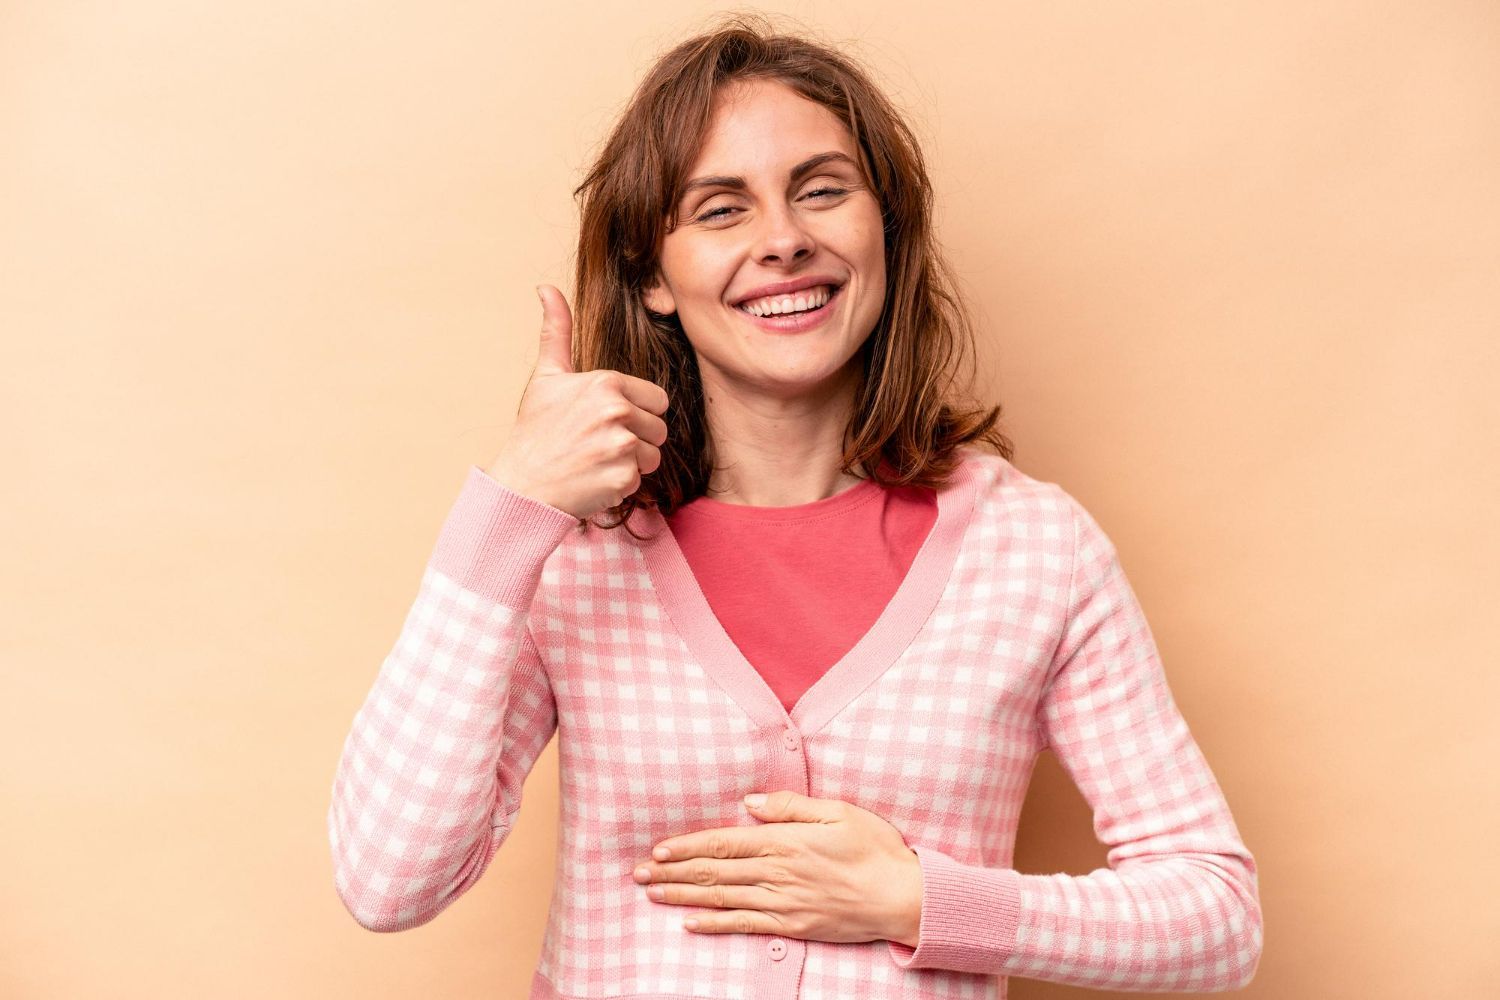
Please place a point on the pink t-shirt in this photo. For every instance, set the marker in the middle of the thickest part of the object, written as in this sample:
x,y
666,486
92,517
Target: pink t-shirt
x,y
796,587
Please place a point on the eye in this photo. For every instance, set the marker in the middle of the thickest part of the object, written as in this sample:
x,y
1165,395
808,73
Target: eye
x,y
715,213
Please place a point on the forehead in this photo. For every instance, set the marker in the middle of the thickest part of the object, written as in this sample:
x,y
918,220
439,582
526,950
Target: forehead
x,y
765,126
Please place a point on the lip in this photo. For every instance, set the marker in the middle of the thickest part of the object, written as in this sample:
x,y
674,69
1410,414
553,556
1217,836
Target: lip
x,y
796,322
785,287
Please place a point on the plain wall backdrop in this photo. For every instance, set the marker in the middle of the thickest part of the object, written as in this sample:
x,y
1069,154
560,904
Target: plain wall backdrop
x,y
266,277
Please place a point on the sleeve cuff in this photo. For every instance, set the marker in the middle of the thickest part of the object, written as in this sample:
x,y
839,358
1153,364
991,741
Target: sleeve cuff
x,y
494,540
969,917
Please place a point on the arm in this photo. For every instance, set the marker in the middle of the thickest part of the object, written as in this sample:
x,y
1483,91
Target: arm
x,y
429,781
1178,908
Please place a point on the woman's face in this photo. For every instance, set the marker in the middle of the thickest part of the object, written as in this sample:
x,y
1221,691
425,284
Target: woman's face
x,y
781,224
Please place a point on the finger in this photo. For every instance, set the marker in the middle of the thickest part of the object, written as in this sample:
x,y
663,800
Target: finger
x,y
707,872
722,897
719,842
556,354
735,922
644,393
647,457
646,425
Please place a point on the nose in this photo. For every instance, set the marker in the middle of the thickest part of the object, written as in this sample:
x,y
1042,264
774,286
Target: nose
x,y
782,238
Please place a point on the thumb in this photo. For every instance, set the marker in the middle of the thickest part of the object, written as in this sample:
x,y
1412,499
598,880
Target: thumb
x,y
556,353
788,806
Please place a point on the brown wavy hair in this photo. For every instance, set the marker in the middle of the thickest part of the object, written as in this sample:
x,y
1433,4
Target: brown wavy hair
x,y
908,415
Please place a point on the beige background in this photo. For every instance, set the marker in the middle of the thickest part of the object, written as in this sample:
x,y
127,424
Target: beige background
x,y
266,291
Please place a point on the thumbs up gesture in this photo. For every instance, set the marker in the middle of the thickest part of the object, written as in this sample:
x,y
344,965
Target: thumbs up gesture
x,y
582,440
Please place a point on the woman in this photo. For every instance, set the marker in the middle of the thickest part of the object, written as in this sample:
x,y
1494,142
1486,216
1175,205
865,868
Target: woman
x,y
833,599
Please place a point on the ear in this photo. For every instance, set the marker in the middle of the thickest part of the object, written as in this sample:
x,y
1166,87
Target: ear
x,y
658,297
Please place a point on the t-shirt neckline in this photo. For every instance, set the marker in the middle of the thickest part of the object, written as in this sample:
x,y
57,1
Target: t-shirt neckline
x,y
852,496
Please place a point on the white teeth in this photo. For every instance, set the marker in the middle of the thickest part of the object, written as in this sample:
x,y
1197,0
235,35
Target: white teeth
x,y
808,298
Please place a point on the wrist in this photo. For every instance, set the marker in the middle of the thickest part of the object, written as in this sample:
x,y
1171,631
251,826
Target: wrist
x,y
497,471
908,918
503,475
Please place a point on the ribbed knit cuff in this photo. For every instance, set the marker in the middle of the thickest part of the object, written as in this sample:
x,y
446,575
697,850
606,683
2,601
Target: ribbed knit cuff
x,y
494,541
969,916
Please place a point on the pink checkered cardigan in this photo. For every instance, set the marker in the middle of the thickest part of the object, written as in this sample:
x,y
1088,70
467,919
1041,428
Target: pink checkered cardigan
x,y
1013,631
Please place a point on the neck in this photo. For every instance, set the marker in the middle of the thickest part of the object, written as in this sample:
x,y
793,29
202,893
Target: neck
x,y
778,451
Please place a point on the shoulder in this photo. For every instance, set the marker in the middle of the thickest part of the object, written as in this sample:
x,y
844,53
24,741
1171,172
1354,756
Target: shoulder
x,y
1036,530
1002,492
1012,505
1064,530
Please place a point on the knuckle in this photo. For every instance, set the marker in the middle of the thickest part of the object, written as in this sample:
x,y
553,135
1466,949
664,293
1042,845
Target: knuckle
x,y
717,895
703,874
718,847
778,875
742,923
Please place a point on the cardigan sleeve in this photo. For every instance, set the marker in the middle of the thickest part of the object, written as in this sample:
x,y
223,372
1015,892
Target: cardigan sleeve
x,y
429,781
1178,908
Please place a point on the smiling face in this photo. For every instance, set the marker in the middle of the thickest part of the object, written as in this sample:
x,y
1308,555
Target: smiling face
x,y
781,224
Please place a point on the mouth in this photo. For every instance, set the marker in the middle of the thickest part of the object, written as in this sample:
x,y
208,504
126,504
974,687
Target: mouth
x,y
796,320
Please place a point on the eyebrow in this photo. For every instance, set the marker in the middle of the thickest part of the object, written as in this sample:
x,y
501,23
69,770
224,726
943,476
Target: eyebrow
x,y
807,166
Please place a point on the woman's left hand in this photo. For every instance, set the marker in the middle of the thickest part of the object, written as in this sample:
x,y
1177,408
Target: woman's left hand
x,y
818,869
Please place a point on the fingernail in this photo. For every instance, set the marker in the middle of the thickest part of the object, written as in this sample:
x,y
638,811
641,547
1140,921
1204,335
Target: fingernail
x,y
756,800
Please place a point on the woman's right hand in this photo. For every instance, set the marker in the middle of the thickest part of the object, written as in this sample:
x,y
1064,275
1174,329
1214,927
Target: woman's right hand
x,y
582,440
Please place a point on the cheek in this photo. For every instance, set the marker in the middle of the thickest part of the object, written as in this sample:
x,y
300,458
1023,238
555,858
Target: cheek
x,y
866,241
704,282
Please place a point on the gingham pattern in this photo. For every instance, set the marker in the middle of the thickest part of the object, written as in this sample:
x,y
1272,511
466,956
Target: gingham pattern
x,y
525,624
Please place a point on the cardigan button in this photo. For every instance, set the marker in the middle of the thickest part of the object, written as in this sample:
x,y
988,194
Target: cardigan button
x,y
777,948
789,739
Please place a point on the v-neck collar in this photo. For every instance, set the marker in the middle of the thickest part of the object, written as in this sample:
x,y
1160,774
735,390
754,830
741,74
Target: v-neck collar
x,y
881,645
